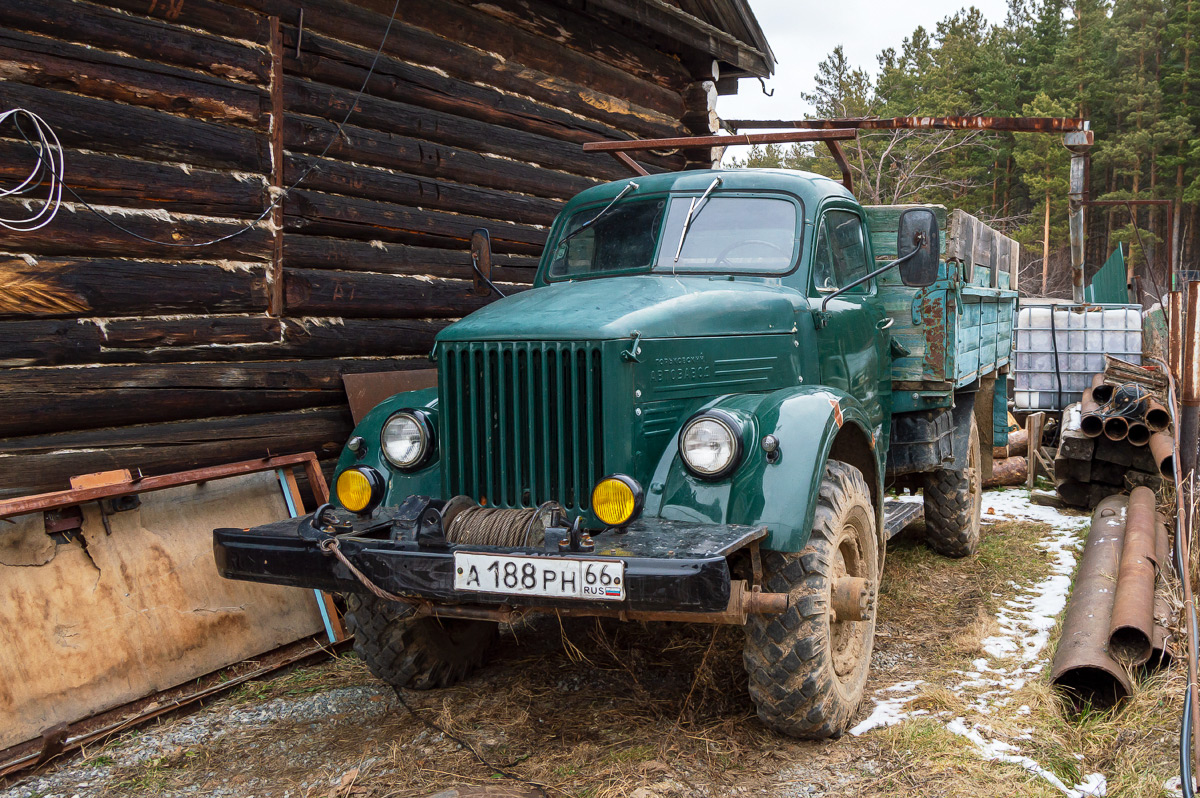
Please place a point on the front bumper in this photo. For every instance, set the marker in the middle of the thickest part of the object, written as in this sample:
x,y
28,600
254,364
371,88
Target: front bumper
x,y
670,566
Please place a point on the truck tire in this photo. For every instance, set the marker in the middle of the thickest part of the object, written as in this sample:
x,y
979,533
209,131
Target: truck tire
x,y
807,669
953,501
418,653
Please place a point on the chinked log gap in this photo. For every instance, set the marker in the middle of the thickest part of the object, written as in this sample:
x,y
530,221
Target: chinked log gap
x,y
618,149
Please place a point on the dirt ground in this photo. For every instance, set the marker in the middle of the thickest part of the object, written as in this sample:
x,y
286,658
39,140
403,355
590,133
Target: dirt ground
x,y
958,704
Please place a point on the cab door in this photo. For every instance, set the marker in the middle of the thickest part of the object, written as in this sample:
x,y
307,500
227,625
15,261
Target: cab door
x,y
853,343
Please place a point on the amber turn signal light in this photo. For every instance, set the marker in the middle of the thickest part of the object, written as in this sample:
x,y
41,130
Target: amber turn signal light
x,y
617,500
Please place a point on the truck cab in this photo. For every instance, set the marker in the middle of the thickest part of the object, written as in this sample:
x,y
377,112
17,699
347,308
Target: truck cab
x,y
687,417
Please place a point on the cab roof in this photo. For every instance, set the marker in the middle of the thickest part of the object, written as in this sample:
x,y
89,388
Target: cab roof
x,y
810,187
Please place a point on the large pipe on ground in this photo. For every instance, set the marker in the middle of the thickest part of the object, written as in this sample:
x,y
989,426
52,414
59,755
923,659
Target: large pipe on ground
x,y
1158,418
1162,447
1101,391
1131,632
1091,424
1082,666
1139,434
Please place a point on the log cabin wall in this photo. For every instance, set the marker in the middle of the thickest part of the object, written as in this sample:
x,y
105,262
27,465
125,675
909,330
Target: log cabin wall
x,y
181,119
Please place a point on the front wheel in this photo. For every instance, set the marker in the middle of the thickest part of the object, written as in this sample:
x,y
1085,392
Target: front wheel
x,y
419,653
808,666
953,502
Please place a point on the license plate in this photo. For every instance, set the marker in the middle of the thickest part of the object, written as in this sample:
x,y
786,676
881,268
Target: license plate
x,y
602,580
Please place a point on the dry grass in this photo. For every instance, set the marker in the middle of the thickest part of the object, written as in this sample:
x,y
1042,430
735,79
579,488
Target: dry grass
x,y
600,709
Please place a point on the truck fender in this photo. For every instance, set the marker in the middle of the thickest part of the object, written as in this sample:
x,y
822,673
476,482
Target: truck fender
x,y
426,481
811,424
964,408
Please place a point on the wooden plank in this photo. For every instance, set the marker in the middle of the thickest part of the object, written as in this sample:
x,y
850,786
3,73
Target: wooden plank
x,y
972,242
388,186
415,156
114,180
320,252
1033,432
47,462
141,37
92,124
51,64
360,294
95,286
77,230
354,217
216,16
571,117
157,614
316,99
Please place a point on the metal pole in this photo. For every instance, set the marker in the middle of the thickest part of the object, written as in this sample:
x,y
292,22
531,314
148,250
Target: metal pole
x,y
1078,144
1190,384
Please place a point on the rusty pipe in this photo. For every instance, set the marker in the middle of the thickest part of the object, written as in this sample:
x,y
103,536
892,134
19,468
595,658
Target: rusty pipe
x,y
1175,322
1091,424
1157,416
1162,448
1189,410
1101,391
1116,428
1131,631
1082,666
1139,434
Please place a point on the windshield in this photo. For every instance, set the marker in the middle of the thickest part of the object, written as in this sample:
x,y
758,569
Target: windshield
x,y
728,235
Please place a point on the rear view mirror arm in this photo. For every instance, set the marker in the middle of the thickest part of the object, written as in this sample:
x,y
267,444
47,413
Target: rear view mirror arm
x,y
866,277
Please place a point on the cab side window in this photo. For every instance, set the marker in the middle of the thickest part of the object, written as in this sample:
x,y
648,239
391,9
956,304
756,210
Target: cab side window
x,y
841,254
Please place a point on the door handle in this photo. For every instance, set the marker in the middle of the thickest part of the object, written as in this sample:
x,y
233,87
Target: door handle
x,y
883,324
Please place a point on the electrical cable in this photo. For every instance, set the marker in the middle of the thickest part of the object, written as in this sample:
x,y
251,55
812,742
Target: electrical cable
x,y
47,162
58,175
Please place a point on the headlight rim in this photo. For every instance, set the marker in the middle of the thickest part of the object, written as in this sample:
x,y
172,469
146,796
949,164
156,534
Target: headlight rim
x,y
736,428
428,438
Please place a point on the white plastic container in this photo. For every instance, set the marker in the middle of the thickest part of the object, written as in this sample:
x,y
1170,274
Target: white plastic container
x,y
1047,379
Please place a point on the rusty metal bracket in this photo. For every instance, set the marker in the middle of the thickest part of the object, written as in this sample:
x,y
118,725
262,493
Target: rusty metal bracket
x,y
756,567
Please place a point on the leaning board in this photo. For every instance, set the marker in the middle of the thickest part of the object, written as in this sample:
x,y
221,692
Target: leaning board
x,y
140,609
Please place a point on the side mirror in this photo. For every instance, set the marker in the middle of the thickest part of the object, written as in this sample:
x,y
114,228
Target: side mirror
x,y
481,259
918,246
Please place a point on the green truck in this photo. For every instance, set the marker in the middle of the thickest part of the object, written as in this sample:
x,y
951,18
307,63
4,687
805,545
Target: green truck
x,y
694,415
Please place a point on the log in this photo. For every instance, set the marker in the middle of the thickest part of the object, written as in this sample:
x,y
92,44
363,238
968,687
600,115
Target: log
x,y
1018,444
388,186
310,292
354,217
42,463
68,20
94,286
434,34
430,159
364,338
79,230
334,63
92,124
316,99
216,16
1008,471
51,64
319,252
115,180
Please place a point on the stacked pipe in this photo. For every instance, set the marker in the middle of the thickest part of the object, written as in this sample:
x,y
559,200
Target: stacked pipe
x,y
1119,438
1114,621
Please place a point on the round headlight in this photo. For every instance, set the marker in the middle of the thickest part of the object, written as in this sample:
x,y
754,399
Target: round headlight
x,y
359,489
407,439
711,444
617,500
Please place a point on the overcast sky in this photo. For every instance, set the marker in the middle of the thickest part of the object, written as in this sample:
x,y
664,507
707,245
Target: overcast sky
x,y
802,34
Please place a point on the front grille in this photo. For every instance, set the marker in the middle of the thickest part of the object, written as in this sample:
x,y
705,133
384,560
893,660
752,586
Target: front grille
x,y
521,422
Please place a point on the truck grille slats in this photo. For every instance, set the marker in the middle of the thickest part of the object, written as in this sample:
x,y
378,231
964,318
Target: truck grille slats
x,y
521,422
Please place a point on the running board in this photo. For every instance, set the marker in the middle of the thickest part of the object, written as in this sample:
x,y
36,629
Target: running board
x,y
899,515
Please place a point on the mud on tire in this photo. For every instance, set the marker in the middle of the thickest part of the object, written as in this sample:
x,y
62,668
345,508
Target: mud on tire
x,y
807,671
418,653
952,504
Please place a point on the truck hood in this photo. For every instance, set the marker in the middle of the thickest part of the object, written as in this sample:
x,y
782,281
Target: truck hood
x,y
656,306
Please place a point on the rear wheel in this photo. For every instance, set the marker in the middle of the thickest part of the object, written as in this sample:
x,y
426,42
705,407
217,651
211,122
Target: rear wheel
x,y
953,502
419,653
807,666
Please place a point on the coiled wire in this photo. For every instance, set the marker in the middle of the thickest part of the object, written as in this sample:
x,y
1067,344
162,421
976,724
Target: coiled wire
x,y
46,174
506,528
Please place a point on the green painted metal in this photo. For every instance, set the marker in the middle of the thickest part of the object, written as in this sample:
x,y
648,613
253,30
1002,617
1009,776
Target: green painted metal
x,y
1108,285
543,393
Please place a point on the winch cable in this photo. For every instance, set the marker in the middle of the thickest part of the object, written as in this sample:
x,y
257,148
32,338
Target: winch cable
x,y
58,172
333,546
494,526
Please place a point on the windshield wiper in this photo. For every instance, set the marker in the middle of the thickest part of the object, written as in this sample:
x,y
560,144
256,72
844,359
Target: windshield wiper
x,y
693,211
630,186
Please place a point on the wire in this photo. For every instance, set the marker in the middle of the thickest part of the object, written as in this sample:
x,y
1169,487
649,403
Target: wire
x,y
50,159
57,174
